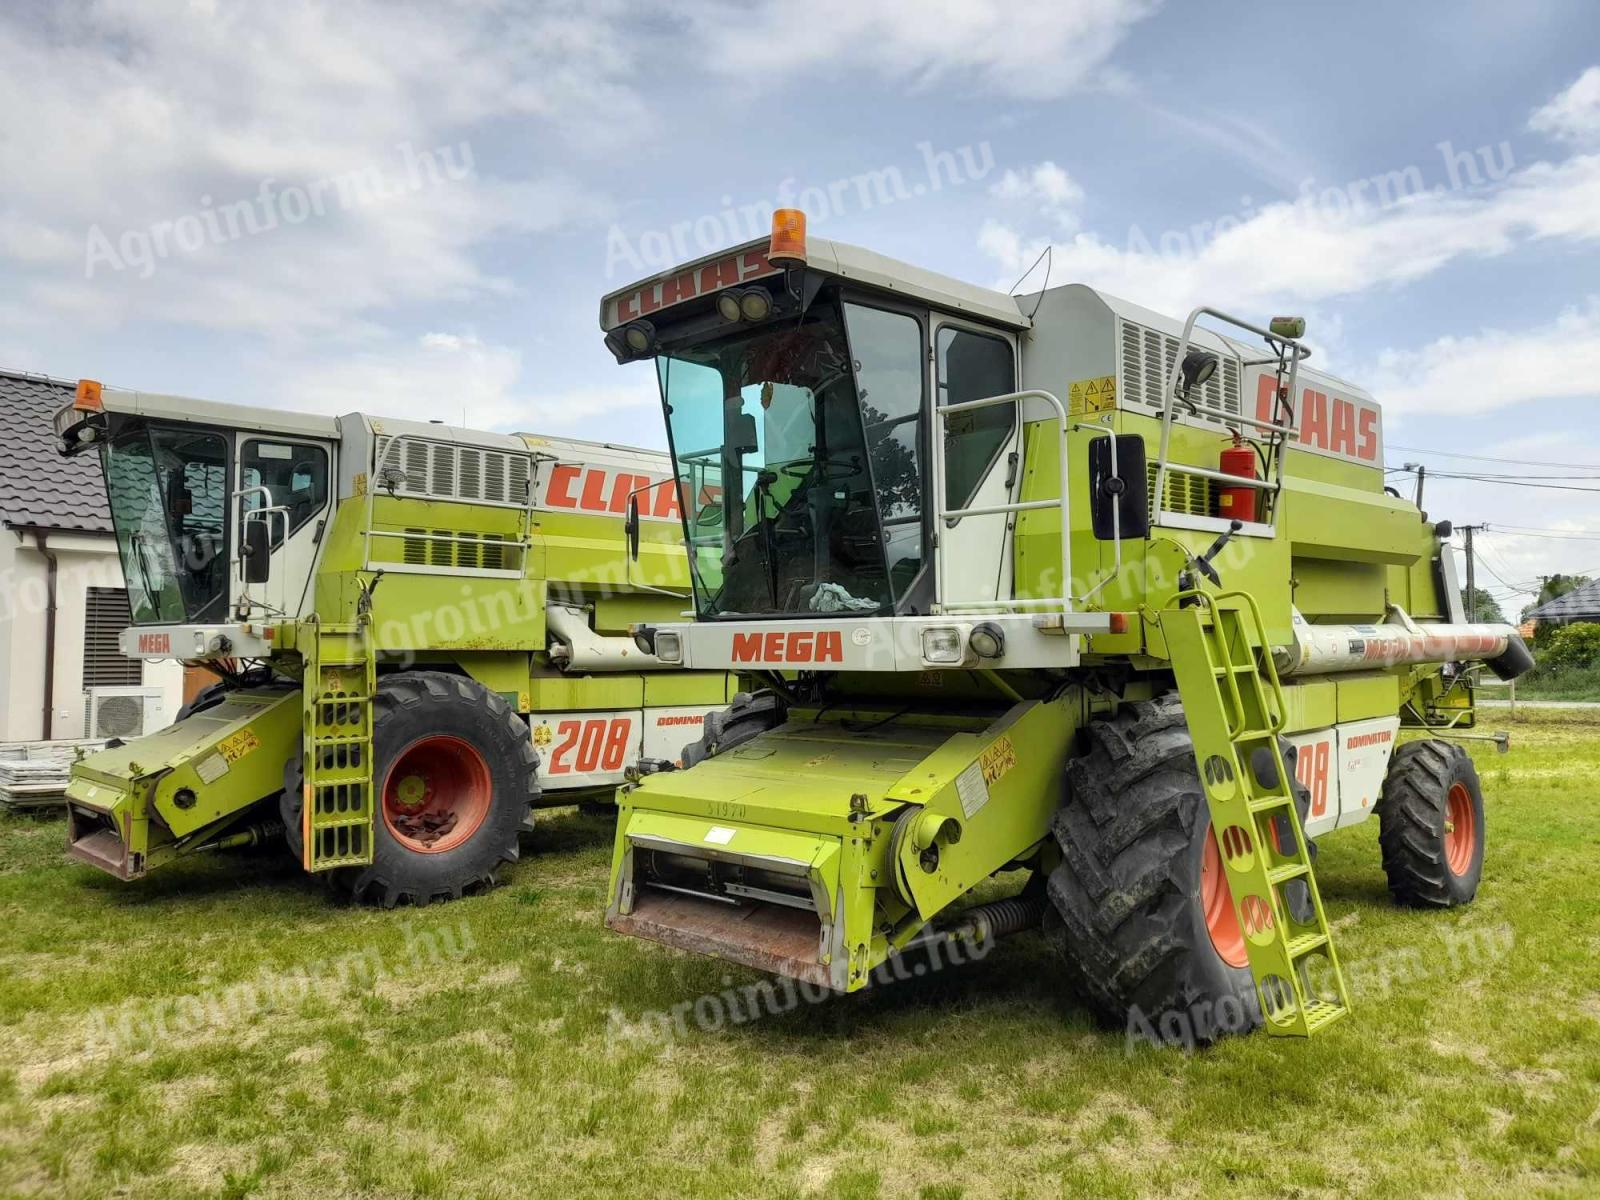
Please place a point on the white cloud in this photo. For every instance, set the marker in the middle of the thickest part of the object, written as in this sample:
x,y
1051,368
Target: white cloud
x,y
143,118
1299,252
460,379
1031,51
1495,368
1574,115
1045,186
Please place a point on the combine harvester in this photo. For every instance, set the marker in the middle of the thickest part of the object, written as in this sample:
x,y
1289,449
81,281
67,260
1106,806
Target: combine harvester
x,y
1049,583
422,633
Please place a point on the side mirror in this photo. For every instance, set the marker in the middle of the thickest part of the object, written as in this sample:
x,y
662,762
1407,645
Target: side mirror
x,y
1118,491
257,551
630,525
742,435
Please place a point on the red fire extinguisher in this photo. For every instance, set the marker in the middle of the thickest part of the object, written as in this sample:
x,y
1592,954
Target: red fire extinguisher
x,y
1238,503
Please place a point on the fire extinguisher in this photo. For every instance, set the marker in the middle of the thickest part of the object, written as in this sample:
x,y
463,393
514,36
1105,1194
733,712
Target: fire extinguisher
x,y
1238,503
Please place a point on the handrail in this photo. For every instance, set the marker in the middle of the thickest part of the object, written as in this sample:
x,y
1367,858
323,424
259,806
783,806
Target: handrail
x,y
941,514
1170,394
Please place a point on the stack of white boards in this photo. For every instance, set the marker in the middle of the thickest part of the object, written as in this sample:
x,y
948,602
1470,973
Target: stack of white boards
x,y
34,774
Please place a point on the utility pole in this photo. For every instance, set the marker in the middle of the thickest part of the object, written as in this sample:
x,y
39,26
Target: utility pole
x,y
1472,578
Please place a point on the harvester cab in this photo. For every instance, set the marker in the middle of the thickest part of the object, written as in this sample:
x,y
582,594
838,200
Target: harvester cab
x,y
419,632
1050,585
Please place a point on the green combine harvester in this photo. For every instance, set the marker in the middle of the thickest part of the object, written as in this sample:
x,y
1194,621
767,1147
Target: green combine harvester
x,y
1048,585
422,634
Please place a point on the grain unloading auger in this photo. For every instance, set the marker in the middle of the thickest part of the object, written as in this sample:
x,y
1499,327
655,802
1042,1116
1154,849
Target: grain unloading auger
x,y
422,633
1050,585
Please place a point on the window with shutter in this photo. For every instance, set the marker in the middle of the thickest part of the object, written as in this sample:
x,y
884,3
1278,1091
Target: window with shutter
x,y
104,665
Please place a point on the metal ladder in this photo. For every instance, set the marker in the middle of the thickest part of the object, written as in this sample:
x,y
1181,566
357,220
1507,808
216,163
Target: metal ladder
x,y
337,805
1288,354
1235,709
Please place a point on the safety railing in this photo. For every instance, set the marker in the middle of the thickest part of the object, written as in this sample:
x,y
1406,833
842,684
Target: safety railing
x,y
1290,353
946,516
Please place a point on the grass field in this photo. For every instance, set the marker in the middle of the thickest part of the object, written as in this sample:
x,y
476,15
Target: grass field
x,y
223,1029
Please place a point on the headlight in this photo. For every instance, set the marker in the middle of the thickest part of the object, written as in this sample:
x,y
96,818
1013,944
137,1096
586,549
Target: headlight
x,y
942,644
669,646
987,640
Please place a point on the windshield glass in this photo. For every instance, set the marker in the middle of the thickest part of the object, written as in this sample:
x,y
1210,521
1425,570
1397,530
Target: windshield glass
x,y
780,506
168,493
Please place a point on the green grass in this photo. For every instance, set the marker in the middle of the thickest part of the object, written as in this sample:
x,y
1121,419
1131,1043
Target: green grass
x,y
1566,683
488,1066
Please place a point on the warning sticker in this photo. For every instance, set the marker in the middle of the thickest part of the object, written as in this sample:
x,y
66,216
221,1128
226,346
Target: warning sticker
x,y
237,746
973,789
997,760
211,768
720,835
1092,395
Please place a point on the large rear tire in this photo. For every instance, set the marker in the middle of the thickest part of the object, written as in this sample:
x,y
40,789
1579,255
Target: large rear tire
x,y
1430,825
454,776
1140,909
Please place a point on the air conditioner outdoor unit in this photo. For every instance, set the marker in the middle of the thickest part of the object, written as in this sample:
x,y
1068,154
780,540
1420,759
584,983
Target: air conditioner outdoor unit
x,y
121,712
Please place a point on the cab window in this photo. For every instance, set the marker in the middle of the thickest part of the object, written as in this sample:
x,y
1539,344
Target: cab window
x,y
296,476
972,366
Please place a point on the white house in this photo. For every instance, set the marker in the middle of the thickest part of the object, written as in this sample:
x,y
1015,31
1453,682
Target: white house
x,y
62,601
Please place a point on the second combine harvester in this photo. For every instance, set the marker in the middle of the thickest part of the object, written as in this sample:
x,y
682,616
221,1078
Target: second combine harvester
x,y
422,632
1050,583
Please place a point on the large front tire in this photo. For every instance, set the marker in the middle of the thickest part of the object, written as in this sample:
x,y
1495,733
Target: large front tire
x,y
1430,825
1139,907
454,776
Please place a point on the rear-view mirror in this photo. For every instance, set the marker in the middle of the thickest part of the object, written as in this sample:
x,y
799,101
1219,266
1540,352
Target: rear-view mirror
x,y
1118,499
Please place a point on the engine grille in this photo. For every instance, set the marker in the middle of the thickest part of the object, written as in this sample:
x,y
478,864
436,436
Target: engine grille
x,y
1191,495
442,471
1147,358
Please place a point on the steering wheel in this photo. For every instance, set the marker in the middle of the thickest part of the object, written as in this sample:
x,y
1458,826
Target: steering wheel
x,y
828,470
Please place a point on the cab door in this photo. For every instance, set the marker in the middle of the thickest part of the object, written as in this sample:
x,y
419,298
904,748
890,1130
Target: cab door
x,y
982,457
284,483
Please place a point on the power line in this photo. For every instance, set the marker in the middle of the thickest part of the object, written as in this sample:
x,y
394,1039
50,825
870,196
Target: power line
x,y
1555,487
1516,462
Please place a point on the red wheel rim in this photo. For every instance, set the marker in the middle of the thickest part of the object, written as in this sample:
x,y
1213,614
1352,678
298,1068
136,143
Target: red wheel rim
x,y
436,794
1216,899
1460,829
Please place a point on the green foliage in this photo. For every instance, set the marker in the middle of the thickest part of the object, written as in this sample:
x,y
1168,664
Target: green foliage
x,y
1572,647
1555,586
1488,609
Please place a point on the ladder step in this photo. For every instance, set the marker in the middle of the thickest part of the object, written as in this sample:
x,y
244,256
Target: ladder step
x,y
1288,871
1305,943
1320,1013
1269,803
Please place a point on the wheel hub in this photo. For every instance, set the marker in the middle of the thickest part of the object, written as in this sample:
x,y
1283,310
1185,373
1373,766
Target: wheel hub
x,y
1460,830
436,794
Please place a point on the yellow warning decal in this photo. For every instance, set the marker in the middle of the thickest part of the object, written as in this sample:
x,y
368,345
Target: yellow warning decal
x,y
997,760
1092,395
238,745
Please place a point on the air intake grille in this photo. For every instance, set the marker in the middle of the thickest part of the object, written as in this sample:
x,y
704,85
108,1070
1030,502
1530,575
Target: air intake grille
x,y
1191,495
451,548
1147,358
441,471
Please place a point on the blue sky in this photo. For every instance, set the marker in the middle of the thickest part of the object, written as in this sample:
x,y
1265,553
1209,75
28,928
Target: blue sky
x,y
438,195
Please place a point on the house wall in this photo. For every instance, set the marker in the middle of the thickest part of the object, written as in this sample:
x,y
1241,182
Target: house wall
x,y
86,560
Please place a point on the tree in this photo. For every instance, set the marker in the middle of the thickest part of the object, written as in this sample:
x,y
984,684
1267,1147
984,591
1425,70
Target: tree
x,y
1572,646
1488,610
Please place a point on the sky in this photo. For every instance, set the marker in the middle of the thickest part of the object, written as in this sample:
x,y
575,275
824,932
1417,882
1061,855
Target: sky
x,y
414,209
